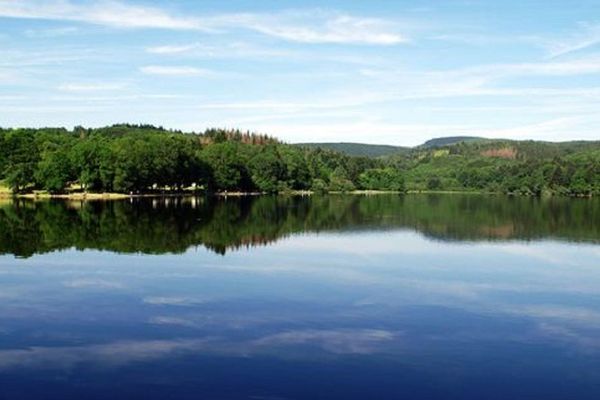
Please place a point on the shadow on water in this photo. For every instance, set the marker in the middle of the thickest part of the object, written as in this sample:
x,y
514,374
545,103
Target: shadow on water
x,y
172,225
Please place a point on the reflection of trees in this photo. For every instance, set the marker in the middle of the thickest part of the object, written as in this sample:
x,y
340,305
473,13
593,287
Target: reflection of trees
x,y
174,224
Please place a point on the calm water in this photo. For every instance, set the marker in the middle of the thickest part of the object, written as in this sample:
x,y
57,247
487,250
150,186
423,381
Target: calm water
x,y
338,297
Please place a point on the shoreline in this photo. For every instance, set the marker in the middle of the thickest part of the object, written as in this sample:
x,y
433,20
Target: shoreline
x,y
123,196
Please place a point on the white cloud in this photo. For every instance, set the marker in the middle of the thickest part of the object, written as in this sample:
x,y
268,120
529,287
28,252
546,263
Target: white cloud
x,y
551,129
50,33
171,49
175,71
7,75
109,13
587,36
90,87
236,49
581,66
391,132
331,28
313,27
474,79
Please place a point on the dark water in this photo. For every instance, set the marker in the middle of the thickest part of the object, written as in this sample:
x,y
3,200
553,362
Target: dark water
x,y
336,297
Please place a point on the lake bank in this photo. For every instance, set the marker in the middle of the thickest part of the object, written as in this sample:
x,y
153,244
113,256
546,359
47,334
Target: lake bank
x,y
7,194
121,196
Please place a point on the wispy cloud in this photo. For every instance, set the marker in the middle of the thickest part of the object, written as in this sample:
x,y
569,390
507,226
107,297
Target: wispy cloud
x,y
305,27
587,36
175,71
51,33
108,13
588,65
478,75
7,74
331,28
172,49
90,87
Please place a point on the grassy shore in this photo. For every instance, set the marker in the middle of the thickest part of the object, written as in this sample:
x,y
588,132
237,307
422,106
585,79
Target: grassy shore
x,y
6,194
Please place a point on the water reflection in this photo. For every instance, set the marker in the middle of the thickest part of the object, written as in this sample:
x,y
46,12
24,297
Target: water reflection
x,y
155,226
362,304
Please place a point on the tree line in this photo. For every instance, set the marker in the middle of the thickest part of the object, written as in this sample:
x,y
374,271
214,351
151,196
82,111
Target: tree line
x,y
503,166
142,158
129,158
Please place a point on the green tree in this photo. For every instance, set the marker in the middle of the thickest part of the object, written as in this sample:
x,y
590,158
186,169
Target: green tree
x,y
227,168
267,169
53,171
382,179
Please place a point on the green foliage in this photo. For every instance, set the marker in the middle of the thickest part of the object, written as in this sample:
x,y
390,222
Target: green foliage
x,y
504,166
358,149
20,157
339,181
382,178
319,185
448,140
434,183
228,172
53,170
143,158
267,169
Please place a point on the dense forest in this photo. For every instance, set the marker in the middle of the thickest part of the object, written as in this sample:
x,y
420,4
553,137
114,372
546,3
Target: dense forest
x,y
505,166
142,158
133,158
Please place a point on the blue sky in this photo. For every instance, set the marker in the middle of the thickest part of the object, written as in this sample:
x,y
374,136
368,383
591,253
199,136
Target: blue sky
x,y
397,72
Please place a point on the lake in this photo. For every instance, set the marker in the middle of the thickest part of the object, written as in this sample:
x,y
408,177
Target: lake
x,y
323,297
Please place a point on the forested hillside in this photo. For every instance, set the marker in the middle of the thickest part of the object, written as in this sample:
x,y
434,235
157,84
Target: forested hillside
x,y
448,140
141,159
358,149
135,158
519,167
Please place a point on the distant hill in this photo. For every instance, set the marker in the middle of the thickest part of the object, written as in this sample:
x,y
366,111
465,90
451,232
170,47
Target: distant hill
x,y
358,149
381,150
448,140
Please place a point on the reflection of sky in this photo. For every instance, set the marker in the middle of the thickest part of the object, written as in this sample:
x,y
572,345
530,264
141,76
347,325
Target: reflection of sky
x,y
435,308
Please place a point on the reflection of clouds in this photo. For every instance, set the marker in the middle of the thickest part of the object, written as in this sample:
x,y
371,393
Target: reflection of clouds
x,y
590,317
504,282
542,253
236,320
166,320
173,300
588,341
358,244
115,354
93,283
363,341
